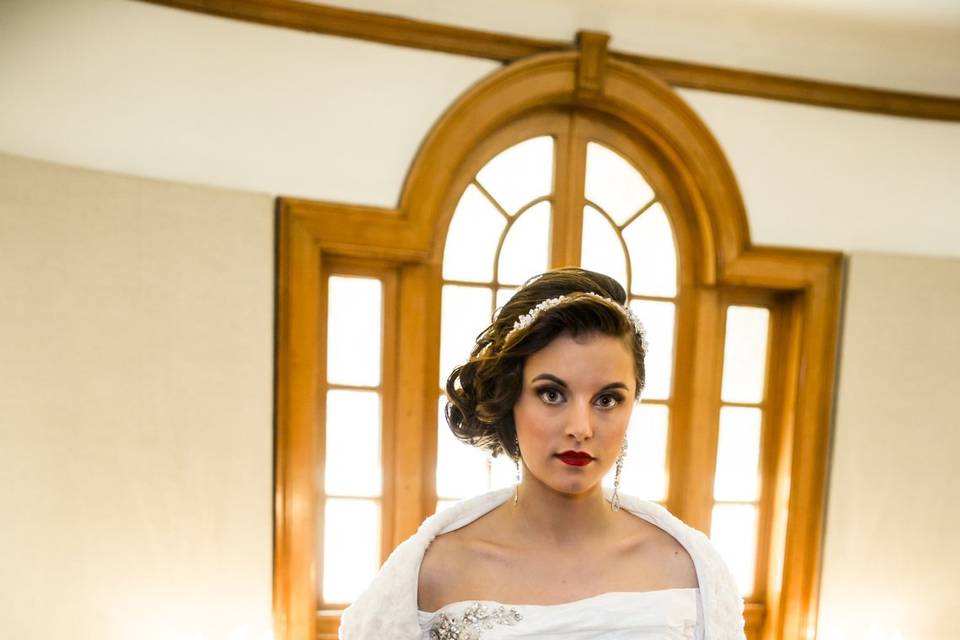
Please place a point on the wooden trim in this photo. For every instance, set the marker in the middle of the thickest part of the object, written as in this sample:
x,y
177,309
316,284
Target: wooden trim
x,y
836,95
698,412
419,34
417,372
593,60
370,26
298,372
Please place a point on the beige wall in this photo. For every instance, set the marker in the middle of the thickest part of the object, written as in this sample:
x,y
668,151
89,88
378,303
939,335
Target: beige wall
x,y
891,560
136,333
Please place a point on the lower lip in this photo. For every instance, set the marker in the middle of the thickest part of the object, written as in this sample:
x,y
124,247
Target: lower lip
x,y
576,462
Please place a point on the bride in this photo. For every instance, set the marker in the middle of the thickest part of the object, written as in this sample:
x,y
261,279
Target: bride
x,y
552,383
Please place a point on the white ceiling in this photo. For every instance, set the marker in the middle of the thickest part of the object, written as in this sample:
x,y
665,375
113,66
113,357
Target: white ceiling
x,y
911,45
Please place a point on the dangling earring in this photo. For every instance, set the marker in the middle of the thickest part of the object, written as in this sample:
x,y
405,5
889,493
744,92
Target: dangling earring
x,y
516,461
615,501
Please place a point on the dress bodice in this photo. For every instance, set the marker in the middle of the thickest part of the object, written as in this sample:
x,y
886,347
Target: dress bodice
x,y
664,614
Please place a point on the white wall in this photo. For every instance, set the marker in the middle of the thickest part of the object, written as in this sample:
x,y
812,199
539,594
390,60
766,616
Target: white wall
x,y
891,560
127,86
136,412
910,45
840,180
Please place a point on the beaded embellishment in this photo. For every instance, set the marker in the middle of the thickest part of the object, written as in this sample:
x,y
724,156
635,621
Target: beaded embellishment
x,y
530,316
474,621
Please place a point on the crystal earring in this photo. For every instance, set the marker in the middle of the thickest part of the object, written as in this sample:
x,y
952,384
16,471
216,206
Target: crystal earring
x,y
615,501
516,461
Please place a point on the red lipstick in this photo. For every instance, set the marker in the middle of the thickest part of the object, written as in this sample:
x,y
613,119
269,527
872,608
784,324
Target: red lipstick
x,y
575,458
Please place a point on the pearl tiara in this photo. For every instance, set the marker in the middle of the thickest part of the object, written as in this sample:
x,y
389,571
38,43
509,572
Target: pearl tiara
x,y
531,316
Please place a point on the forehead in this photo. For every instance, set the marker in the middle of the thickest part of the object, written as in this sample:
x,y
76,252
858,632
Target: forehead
x,y
590,358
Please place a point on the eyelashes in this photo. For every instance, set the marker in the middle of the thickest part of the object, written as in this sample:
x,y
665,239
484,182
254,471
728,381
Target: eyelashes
x,y
554,396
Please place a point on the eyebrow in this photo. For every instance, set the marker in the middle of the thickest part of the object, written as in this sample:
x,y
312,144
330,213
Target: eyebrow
x,y
553,378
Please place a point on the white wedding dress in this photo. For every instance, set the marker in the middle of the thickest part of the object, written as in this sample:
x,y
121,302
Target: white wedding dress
x,y
666,614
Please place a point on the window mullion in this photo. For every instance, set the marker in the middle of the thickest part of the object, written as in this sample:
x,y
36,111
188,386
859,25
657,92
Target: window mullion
x,y
568,187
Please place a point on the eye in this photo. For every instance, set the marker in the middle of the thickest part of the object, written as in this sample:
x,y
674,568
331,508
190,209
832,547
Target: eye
x,y
609,400
550,395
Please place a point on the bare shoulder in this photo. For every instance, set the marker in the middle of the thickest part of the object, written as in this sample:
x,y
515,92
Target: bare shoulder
x,y
659,553
441,572
437,570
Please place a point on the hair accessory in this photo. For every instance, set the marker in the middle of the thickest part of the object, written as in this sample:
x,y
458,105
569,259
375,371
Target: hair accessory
x,y
615,499
530,317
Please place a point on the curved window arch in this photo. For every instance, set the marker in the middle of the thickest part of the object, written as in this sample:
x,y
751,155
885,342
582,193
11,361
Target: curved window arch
x,y
498,237
558,166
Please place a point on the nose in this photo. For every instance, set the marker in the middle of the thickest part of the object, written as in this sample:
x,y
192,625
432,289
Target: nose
x,y
580,422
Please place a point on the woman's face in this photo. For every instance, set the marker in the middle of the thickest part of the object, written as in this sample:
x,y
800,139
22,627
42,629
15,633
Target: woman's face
x,y
577,397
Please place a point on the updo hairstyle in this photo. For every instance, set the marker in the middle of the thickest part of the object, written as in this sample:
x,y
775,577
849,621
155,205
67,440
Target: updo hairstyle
x,y
482,392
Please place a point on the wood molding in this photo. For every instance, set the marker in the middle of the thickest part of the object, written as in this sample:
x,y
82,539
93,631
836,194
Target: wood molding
x,y
592,65
419,34
298,371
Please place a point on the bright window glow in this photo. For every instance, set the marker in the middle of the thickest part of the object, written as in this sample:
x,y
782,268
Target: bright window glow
x,y
465,312
525,251
733,530
519,174
352,461
653,254
461,468
613,183
504,295
745,354
658,321
645,464
600,248
354,321
738,455
351,548
472,238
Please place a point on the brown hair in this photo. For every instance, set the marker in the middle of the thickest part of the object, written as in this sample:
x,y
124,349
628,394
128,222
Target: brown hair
x,y
481,393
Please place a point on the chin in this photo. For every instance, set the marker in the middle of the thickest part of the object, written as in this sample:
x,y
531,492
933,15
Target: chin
x,y
575,488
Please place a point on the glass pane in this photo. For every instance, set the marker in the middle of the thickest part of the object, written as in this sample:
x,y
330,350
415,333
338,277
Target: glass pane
x,y
461,468
352,460
734,532
614,184
503,472
504,295
465,312
354,321
526,250
601,249
658,320
645,465
738,455
472,238
745,354
653,254
520,173
351,548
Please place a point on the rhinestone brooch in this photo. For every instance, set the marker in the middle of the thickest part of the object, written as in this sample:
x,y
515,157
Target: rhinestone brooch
x,y
474,621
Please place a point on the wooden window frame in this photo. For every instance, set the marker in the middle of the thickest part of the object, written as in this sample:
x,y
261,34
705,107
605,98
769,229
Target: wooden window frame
x,y
407,242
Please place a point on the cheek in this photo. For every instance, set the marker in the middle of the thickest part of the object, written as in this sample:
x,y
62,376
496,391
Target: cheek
x,y
531,421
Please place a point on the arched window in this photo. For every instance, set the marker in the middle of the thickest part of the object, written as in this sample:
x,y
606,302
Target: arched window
x,y
500,235
562,159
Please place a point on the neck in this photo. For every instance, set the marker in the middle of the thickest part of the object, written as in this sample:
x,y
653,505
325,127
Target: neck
x,y
547,516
